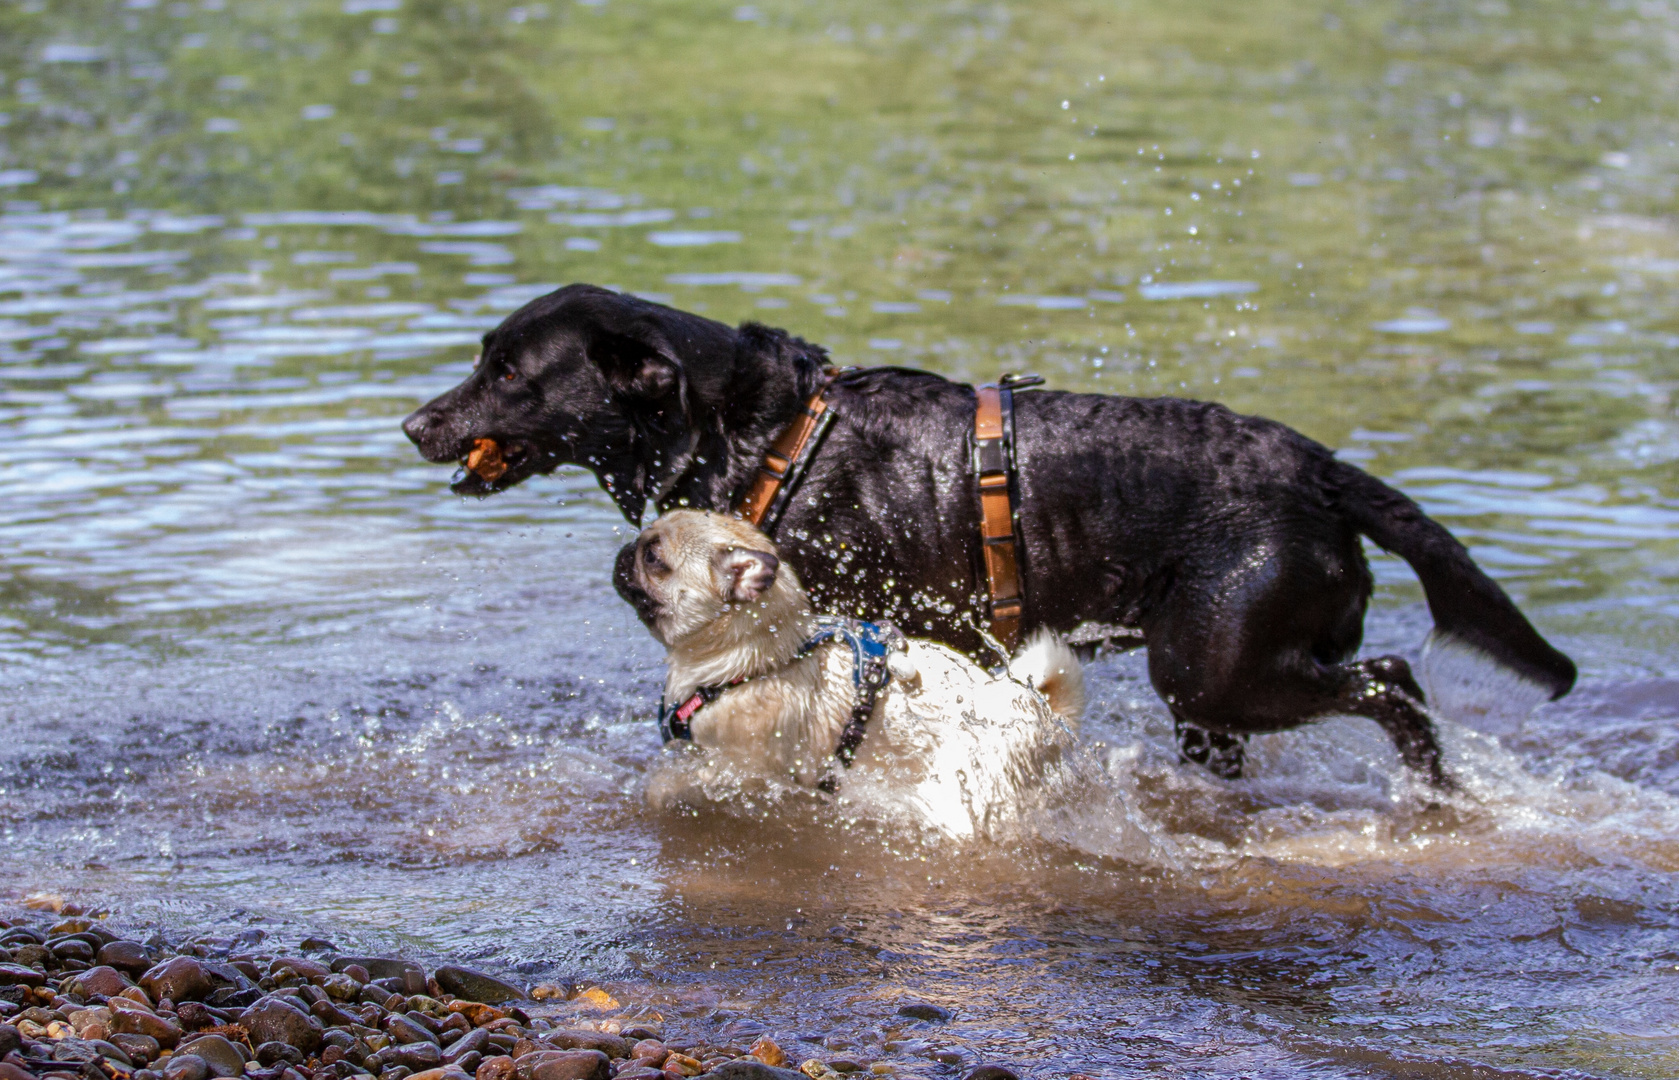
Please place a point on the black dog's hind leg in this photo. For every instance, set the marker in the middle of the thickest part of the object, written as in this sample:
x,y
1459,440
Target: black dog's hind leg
x,y
1384,690
1219,753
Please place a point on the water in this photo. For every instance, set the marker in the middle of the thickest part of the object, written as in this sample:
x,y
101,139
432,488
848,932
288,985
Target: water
x,y
263,670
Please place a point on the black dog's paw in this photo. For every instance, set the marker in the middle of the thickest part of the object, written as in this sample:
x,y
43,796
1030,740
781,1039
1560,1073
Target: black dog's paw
x,y
1218,753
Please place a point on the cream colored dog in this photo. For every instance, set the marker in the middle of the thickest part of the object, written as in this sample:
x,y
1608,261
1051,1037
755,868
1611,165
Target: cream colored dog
x,y
756,675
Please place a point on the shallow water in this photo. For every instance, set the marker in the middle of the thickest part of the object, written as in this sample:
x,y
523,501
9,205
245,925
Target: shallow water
x,y
263,669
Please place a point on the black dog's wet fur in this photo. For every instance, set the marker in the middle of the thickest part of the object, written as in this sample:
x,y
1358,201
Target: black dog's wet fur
x,y
1230,542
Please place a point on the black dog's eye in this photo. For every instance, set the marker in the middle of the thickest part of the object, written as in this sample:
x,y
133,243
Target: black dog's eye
x,y
509,375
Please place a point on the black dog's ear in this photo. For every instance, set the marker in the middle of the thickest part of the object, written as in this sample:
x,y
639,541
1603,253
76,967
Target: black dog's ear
x,y
637,363
747,574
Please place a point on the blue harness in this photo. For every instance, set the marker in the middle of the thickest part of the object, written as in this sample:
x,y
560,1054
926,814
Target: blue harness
x,y
870,643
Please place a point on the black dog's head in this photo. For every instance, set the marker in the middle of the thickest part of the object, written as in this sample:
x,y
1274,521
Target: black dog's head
x,y
581,376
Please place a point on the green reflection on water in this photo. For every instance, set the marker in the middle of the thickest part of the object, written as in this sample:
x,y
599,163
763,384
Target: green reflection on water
x,y
1451,214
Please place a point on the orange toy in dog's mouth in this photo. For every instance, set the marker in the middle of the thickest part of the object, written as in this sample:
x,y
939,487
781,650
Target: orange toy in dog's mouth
x,y
486,460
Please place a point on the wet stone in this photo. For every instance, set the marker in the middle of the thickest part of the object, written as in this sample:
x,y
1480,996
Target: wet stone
x,y
20,975
417,1056
136,1022
180,979
499,1067
270,1054
341,987
923,1010
475,1041
575,1039
8,1071
32,956
129,957
277,1018
404,1030
476,985
223,1058
564,1065
992,1072
73,949
103,980
380,967
186,1067
141,1049
754,1070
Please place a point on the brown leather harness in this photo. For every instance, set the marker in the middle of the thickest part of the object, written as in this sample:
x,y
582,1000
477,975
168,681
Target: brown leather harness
x,y
995,475
994,467
786,460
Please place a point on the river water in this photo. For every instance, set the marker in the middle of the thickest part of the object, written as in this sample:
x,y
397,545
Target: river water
x,y
263,670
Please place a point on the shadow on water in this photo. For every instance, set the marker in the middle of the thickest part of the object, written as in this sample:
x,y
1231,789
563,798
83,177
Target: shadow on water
x,y
263,671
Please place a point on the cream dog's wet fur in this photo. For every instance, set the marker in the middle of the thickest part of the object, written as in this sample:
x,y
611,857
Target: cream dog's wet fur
x,y
959,746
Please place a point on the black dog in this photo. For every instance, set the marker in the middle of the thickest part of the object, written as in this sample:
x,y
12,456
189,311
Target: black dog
x,y
1229,544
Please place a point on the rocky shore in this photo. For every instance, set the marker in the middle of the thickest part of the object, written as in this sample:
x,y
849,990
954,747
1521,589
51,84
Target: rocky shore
x,y
80,1002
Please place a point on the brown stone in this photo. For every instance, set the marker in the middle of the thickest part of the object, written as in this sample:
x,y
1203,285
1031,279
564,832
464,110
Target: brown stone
x,y
8,1071
129,957
478,1013
18,975
136,995
418,1056
102,980
276,1019
766,1051
139,1048
179,979
564,1065
137,1022
499,1067
306,968
650,1051
683,1065
578,1039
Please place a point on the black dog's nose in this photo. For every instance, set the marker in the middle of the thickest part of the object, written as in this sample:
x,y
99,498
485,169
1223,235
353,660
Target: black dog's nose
x,y
415,426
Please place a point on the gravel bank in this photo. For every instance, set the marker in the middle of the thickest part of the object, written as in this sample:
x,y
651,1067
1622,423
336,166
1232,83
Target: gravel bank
x,y
80,1002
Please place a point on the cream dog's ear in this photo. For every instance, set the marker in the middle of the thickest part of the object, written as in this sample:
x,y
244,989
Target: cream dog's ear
x,y
746,575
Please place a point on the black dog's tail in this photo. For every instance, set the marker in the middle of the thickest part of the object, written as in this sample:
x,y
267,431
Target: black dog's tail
x,y
1467,606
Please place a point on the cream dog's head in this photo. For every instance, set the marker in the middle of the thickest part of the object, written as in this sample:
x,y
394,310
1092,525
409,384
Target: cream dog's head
x,y
692,571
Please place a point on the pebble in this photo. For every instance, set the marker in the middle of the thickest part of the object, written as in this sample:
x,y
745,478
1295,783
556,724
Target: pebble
x,y
923,1010
139,1048
104,981
180,979
186,1067
476,985
992,1072
129,957
276,1018
564,1065
144,1022
20,975
403,1030
270,1054
223,1058
417,1056
574,1039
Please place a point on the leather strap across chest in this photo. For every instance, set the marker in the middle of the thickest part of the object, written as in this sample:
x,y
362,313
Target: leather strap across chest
x,y
994,474
786,461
